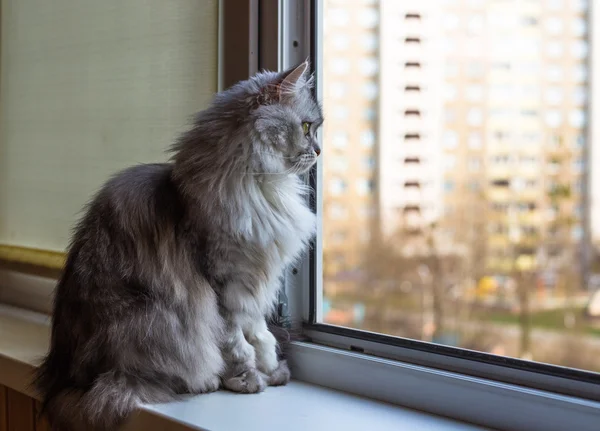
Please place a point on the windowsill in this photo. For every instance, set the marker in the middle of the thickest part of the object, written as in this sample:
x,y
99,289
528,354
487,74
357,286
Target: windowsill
x,y
297,406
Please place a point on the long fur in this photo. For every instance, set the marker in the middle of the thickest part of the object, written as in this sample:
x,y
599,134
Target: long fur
x,y
174,267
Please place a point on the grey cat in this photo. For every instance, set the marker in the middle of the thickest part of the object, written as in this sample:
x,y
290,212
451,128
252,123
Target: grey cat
x,y
174,268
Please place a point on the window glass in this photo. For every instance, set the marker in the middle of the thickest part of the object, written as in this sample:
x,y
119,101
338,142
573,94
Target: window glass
x,y
495,168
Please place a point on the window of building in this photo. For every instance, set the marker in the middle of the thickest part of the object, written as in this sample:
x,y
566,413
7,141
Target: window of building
x,y
554,25
370,91
580,96
451,21
577,118
476,24
451,69
337,186
340,66
369,42
449,162
580,73
369,66
554,95
338,17
475,117
364,186
554,73
341,42
340,139
474,140
474,93
474,164
369,114
340,113
368,18
579,49
337,211
339,163
338,90
555,4
555,49
450,92
367,138
450,139
553,118
475,69
579,27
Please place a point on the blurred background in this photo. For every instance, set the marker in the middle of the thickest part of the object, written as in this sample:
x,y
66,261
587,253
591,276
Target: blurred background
x,y
461,204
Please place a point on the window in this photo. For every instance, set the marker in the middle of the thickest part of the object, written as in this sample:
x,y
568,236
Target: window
x,y
474,164
340,113
474,298
554,25
340,66
340,139
339,164
554,73
369,42
449,162
341,42
553,119
577,118
474,117
450,139
364,186
370,91
369,66
474,140
580,96
554,49
337,186
450,92
338,90
580,73
369,114
579,49
338,17
554,96
368,18
367,138
579,27
474,93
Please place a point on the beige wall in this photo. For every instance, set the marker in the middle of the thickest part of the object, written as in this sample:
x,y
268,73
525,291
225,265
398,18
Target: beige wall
x,y
89,87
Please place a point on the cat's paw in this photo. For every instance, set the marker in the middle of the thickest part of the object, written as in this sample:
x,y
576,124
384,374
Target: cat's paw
x,y
249,382
281,376
211,384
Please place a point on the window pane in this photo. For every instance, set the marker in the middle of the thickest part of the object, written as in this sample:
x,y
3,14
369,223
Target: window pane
x,y
455,203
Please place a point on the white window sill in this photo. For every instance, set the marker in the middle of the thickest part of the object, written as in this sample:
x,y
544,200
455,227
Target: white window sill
x,y
297,406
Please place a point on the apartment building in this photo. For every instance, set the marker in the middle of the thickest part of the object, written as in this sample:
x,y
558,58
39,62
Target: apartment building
x,y
351,91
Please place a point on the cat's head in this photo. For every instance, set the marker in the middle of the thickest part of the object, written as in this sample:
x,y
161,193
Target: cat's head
x,y
282,119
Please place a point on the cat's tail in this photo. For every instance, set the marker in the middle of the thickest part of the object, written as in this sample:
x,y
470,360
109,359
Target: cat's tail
x,y
104,406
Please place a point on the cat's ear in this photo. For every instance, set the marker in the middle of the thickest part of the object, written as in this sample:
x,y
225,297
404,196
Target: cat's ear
x,y
293,79
286,84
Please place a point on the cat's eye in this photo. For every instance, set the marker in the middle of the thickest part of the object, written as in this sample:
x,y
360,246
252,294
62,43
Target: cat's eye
x,y
306,128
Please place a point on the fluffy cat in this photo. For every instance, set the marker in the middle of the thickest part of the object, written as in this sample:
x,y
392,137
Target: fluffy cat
x,y
174,267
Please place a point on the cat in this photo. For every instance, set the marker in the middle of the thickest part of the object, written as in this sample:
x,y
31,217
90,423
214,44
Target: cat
x,y
174,268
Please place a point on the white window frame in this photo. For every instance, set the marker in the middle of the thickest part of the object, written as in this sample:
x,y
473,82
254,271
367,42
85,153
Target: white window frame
x,y
488,390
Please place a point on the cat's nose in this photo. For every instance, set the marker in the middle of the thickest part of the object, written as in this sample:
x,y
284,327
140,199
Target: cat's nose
x,y
317,149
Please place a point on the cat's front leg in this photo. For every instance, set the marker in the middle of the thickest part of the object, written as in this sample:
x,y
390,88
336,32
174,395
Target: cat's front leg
x,y
241,373
265,346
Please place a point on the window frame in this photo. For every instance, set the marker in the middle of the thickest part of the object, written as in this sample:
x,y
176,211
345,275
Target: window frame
x,y
434,378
